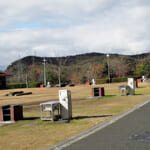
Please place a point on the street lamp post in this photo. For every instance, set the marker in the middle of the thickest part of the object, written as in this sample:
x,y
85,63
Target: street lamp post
x,y
108,67
59,77
44,60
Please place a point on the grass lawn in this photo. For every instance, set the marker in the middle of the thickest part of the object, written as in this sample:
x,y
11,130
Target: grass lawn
x,y
34,134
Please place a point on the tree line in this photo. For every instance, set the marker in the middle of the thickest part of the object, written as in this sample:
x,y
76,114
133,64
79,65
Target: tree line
x,y
77,73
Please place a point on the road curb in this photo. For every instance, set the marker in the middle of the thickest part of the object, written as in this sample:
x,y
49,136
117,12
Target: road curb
x,y
96,128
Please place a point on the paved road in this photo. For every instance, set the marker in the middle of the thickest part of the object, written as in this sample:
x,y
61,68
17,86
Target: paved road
x,y
129,133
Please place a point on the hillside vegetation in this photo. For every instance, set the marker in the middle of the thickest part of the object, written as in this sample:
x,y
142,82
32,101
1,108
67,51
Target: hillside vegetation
x,y
78,68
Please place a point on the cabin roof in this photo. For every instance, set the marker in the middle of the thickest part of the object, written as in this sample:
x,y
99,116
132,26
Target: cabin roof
x,y
3,74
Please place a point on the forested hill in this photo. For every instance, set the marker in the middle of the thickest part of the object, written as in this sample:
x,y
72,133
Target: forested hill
x,y
76,66
68,60
77,59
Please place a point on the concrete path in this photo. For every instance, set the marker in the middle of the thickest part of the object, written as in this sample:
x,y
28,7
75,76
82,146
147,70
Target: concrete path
x,y
131,132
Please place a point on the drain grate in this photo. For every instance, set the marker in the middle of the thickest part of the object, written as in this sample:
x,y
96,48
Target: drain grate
x,y
142,137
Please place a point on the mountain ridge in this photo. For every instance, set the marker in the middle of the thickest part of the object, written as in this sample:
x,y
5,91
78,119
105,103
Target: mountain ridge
x,y
76,68
29,60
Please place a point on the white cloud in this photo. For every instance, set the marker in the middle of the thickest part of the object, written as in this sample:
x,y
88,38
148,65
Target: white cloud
x,y
68,27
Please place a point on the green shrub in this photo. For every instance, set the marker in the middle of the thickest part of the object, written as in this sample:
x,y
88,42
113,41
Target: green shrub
x,y
23,85
113,80
101,81
121,79
16,85
136,77
34,84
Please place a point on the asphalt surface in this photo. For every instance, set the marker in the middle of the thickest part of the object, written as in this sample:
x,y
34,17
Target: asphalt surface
x,y
132,132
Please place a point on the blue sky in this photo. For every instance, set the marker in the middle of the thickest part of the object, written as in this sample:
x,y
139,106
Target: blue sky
x,y
68,27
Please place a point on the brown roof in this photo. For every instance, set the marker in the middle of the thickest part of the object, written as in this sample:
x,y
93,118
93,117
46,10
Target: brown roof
x,y
2,74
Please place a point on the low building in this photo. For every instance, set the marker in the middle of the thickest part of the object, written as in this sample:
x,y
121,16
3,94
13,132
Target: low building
x,y
3,76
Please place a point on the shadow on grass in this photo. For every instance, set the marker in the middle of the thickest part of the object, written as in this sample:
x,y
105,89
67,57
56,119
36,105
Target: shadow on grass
x,y
84,117
110,95
142,94
31,118
141,87
138,94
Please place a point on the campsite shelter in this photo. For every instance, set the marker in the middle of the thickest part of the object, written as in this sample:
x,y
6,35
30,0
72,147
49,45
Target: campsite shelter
x,y
3,76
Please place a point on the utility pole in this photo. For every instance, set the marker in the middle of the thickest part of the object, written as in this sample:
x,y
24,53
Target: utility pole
x,y
61,62
18,65
59,71
59,77
26,81
44,60
19,68
108,67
